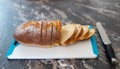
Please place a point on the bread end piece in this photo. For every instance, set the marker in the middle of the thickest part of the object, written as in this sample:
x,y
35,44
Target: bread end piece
x,y
91,33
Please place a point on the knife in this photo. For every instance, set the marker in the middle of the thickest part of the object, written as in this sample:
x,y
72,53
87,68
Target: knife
x,y
107,43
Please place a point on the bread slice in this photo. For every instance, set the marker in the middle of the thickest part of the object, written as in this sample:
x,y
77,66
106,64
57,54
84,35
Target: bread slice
x,y
91,33
49,35
44,33
40,33
59,30
85,33
59,25
78,33
68,33
54,33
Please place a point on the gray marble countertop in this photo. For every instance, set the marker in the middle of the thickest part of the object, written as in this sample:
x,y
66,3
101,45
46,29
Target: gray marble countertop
x,y
15,12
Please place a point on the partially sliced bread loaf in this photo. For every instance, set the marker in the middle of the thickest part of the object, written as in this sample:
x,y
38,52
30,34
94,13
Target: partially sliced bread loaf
x,y
51,33
39,33
68,33
84,33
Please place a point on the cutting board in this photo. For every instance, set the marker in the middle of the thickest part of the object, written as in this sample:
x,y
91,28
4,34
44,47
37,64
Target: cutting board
x,y
81,50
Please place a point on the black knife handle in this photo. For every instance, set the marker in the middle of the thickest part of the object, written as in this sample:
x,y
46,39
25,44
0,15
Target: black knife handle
x,y
110,54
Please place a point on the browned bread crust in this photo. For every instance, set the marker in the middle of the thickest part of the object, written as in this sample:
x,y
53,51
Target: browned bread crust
x,y
51,33
40,33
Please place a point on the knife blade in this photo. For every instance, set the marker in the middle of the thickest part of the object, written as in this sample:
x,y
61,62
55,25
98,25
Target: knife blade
x,y
107,43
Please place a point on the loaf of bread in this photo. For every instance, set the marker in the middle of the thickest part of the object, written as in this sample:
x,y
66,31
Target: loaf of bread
x,y
51,33
39,33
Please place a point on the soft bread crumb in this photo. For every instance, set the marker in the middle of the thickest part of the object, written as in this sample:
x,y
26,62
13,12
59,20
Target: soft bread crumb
x,y
67,33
